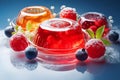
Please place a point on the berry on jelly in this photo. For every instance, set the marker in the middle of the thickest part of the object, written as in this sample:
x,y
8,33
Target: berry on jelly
x,y
81,55
8,31
68,13
31,53
113,36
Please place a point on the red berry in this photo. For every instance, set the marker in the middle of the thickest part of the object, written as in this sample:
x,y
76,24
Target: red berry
x,y
93,28
69,13
86,24
95,48
18,42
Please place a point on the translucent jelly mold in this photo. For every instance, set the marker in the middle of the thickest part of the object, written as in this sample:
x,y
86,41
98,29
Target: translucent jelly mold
x,y
57,40
94,20
34,15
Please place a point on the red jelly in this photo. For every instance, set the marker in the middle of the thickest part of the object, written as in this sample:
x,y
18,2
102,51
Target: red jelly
x,y
94,20
57,40
59,34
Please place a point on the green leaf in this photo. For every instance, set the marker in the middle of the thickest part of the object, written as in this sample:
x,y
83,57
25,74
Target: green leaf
x,y
106,42
22,31
13,33
91,33
16,28
28,26
99,32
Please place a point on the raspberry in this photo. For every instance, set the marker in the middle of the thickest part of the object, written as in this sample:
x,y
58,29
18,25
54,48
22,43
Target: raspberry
x,y
18,42
95,48
69,13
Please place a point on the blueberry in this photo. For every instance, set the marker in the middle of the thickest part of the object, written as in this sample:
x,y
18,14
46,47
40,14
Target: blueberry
x,y
8,31
81,55
31,53
113,36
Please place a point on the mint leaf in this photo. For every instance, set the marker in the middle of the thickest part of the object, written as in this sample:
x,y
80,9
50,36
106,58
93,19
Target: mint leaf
x,y
13,33
28,26
91,33
16,28
106,42
99,32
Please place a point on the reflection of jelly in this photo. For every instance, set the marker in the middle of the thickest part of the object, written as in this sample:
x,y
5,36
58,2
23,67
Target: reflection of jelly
x,y
59,35
34,14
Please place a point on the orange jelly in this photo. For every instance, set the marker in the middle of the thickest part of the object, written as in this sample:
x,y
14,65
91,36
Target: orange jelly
x,y
34,15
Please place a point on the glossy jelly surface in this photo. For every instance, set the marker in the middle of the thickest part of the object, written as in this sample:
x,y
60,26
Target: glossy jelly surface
x,y
94,20
59,35
34,15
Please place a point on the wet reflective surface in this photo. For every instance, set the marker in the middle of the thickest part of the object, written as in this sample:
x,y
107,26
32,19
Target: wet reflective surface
x,y
17,68
14,66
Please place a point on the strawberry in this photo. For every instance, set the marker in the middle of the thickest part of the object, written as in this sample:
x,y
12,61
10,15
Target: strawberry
x,y
69,13
18,42
95,48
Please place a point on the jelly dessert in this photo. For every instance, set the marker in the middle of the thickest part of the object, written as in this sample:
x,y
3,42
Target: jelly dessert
x,y
34,15
94,20
59,34
63,40
58,37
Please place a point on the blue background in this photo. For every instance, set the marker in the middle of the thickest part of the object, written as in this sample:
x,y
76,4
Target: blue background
x,y
11,8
